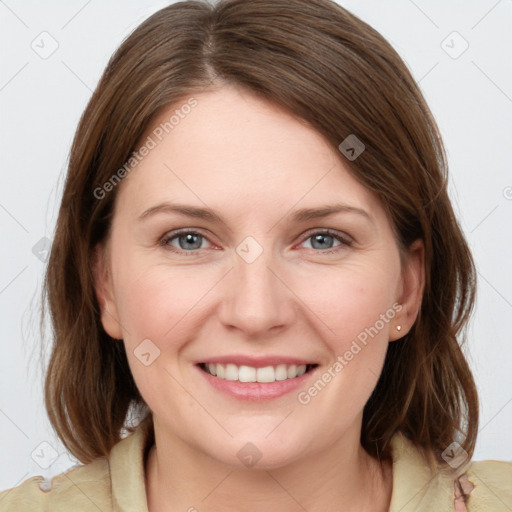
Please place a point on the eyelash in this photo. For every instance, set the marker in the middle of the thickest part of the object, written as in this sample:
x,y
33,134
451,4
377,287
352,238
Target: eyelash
x,y
344,242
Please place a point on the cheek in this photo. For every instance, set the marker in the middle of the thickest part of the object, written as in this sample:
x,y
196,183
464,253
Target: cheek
x,y
351,299
155,303
356,304
158,302
158,305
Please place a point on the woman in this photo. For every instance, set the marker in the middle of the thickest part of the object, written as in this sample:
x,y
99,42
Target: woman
x,y
256,260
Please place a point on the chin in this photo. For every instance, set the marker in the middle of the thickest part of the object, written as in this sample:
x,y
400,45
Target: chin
x,y
258,452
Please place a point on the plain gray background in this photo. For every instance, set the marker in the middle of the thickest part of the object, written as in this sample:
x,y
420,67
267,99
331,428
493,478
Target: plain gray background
x,y
52,56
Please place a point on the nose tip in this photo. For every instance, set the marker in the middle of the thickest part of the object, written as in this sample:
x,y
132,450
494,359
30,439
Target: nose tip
x,y
255,298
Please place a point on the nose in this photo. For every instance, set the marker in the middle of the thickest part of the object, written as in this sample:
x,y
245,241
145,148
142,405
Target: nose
x,y
256,299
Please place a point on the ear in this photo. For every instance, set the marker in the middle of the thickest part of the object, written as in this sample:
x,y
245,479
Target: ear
x,y
104,293
412,286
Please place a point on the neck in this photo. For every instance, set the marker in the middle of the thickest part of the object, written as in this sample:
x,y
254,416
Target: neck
x,y
343,477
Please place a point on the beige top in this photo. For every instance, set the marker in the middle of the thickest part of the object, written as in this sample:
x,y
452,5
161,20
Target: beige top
x,y
117,484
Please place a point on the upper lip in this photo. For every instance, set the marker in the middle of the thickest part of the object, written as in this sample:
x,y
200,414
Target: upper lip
x,y
255,361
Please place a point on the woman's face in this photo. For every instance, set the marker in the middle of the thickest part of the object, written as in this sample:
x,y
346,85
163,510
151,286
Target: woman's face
x,y
274,279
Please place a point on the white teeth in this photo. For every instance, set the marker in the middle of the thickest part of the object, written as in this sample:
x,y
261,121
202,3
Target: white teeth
x,y
247,374
266,374
281,372
250,374
231,372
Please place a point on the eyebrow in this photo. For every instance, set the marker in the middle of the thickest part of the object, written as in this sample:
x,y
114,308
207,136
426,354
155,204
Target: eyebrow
x,y
208,214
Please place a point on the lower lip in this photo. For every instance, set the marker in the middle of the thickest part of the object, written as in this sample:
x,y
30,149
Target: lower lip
x,y
256,391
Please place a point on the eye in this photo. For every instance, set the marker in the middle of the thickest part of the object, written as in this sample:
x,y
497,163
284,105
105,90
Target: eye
x,y
187,241
323,241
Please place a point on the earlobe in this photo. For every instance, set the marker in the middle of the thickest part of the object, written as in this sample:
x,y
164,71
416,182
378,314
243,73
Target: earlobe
x,y
413,283
104,294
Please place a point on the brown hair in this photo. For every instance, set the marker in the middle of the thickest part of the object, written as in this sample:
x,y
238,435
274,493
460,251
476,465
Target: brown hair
x,y
330,69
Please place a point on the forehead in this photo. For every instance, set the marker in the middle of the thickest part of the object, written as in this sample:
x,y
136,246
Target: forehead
x,y
234,149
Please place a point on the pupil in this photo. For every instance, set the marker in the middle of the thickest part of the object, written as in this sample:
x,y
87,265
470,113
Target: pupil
x,y
189,239
321,239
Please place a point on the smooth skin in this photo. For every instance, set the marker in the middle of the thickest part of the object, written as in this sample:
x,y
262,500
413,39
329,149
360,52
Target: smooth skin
x,y
255,166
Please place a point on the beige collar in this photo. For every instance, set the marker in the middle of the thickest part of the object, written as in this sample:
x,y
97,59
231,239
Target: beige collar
x,y
414,487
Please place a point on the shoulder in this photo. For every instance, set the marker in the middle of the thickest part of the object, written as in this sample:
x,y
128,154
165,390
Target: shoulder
x,y
83,488
477,486
492,486
482,486
117,479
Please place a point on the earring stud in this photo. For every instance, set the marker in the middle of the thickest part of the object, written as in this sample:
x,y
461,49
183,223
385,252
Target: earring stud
x,y
398,327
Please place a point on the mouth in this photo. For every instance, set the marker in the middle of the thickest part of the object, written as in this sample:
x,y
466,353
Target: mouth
x,y
262,375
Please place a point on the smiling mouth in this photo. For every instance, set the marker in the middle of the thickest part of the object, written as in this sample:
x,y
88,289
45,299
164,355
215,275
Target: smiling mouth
x,y
267,374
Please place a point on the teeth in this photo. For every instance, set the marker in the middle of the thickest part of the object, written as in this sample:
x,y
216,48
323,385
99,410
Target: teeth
x,y
246,374
281,372
266,374
250,374
231,372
